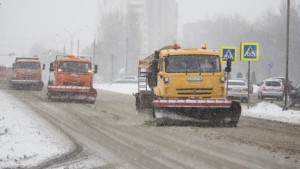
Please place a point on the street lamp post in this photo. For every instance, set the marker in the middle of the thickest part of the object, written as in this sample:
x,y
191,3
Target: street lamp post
x,y
287,55
57,50
72,36
58,35
94,44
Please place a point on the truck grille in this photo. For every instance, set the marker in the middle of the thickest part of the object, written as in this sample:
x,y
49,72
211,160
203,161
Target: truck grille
x,y
29,78
73,83
195,91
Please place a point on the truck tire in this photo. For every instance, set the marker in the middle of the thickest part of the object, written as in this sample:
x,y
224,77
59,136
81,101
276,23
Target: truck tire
x,y
245,100
153,113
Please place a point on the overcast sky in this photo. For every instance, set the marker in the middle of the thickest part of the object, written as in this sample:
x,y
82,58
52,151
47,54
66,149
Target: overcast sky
x,y
26,22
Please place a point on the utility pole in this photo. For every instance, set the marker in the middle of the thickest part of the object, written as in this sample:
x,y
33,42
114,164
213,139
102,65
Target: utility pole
x,y
112,69
72,36
94,44
126,57
287,55
78,48
64,43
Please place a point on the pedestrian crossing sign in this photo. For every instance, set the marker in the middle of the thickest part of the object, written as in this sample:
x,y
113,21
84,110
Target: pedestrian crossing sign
x,y
249,51
229,52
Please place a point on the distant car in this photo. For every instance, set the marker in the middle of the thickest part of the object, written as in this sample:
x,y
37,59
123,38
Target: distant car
x,y
250,86
238,90
271,88
127,79
295,96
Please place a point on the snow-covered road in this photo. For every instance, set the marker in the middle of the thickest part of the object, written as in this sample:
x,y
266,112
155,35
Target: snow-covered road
x,y
27,139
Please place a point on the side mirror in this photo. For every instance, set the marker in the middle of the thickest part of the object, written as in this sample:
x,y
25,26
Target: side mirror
x,y
95,68
156,54
51,69
43,67
160,74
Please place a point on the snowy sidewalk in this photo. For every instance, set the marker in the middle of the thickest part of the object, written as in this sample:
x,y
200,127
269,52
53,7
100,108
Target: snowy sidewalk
x,y
26,139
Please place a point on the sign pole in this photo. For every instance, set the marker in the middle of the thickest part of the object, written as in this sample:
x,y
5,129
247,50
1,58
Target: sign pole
x,y
248,84
227,85
287,55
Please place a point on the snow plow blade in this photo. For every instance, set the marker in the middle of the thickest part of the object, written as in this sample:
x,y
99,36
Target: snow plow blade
x,y
26,84
223,111
70,93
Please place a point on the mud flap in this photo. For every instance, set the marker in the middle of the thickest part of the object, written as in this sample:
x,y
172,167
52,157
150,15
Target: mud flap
x,y
143,100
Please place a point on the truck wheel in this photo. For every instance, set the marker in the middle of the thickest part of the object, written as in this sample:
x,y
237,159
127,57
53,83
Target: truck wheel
x,y
153,113
233,124
92,101
137,103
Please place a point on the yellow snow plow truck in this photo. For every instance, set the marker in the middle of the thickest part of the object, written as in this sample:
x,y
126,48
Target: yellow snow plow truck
x,y
186,80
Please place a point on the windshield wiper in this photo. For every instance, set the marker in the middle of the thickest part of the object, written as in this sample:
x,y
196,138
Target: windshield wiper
x,y
186,66
199,66
212,65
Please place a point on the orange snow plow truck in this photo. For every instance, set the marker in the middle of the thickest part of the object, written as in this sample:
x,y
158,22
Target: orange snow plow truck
x,y
71,78
187,81
27,74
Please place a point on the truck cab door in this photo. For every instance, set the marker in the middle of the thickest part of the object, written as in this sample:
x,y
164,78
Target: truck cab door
x,y
160,76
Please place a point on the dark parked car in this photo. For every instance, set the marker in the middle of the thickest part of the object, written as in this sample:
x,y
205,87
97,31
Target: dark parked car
x,y
295,96
290,86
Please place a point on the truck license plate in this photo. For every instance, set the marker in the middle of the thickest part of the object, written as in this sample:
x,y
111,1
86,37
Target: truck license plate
x,y
198,78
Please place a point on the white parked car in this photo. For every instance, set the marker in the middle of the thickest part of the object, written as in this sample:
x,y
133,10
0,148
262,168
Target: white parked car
x,y
127,79
238,90
271,88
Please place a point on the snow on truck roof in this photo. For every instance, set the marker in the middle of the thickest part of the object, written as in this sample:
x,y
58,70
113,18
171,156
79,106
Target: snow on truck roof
x,y
28,60
170,50
189,51
73,58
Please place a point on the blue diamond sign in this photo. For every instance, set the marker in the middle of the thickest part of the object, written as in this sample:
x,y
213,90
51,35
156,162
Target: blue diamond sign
x,y
270,65
229,52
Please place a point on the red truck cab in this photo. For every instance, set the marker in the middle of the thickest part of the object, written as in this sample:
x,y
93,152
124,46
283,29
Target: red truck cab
x,y
27,74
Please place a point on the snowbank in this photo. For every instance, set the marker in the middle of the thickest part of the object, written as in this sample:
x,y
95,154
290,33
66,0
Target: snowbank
x,y
25,138
126,88
272,111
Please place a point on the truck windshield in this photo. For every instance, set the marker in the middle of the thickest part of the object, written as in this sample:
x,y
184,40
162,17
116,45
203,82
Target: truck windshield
x,y
74,66
28,65
192,63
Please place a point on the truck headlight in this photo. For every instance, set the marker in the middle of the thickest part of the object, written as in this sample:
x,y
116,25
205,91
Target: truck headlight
x,y
166,80
223,79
